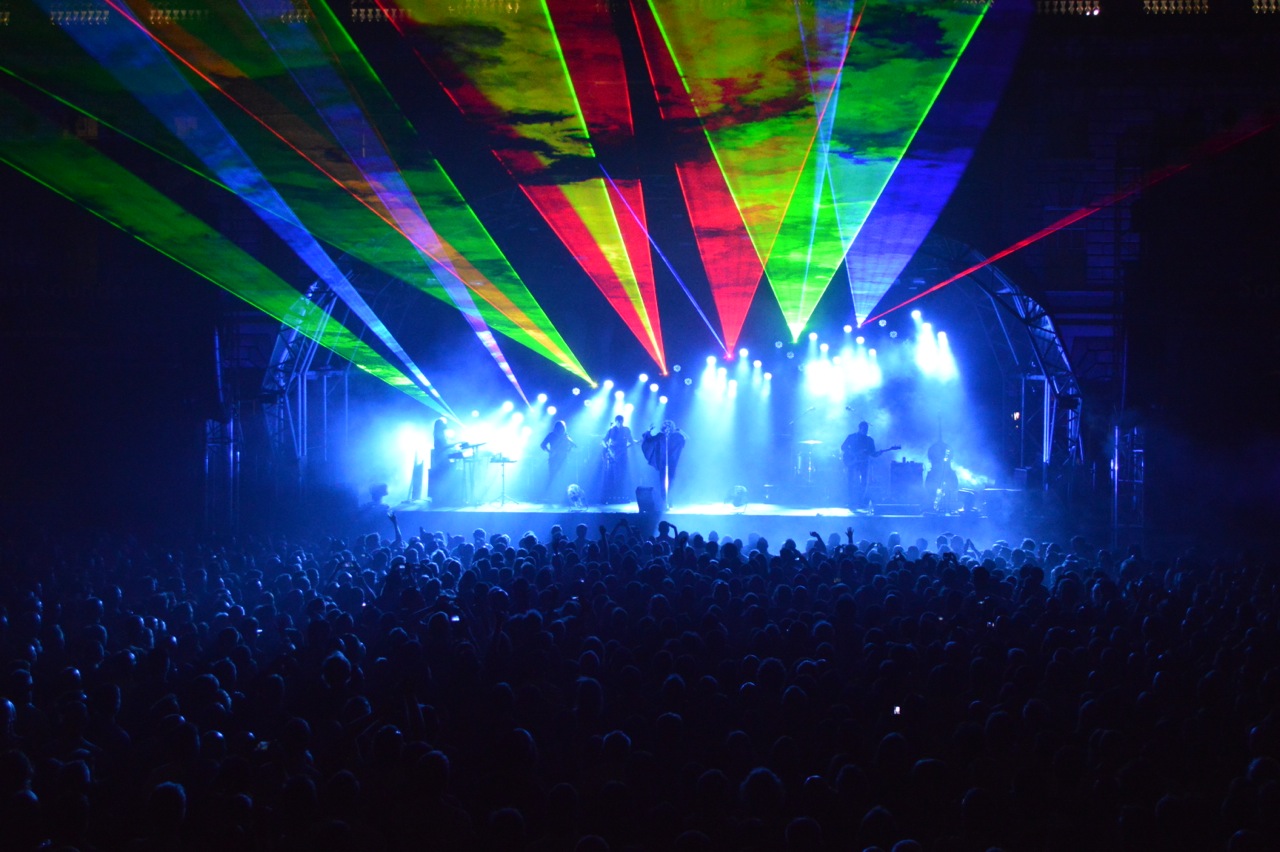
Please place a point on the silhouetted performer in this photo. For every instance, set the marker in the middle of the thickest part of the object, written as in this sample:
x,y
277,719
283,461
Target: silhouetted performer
x,y
617,464
442,485
557,445
857,451
662,452
941,482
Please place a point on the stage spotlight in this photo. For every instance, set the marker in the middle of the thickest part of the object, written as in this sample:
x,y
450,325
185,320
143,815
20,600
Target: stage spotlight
x,y
676,368
768,377
791,355
608,383
688,381
859,340
823,347
777,344
551,410
542,397
848,329
577,391
662,400
893,334
915,315
475,412
619,395
644,377
653,388
813,335
883,323
711,360
742,353
756,363
508,406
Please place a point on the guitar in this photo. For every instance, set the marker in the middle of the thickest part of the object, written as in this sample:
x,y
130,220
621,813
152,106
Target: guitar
x,y
852,458
612,448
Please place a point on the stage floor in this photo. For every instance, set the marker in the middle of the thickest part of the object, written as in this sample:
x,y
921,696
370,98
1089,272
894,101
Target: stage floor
x,y
775,522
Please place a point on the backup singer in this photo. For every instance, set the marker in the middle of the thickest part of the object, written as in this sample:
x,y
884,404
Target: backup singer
x,y
662,452
557,445
941,483
442,484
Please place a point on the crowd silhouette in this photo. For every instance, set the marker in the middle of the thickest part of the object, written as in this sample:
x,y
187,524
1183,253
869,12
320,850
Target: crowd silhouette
x,y
592,690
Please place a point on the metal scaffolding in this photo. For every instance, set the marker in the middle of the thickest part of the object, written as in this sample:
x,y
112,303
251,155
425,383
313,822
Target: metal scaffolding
x,y
1038,374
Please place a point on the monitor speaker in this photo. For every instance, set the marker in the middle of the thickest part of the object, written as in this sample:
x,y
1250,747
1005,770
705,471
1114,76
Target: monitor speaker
x,y
645,501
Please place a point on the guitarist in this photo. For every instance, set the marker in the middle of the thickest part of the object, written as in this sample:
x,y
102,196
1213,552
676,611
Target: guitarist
x,y
617,475
857,451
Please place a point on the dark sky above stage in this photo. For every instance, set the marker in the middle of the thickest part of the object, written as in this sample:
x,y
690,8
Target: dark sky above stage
x,y
107,343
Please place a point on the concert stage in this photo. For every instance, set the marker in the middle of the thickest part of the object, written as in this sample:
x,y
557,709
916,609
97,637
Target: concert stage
x,y
773,521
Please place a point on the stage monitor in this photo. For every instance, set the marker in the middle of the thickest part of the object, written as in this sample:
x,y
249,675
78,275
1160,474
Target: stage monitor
x,y
645,501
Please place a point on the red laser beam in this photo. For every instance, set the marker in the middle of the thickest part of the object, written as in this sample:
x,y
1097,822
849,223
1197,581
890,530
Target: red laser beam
x,y
1224,141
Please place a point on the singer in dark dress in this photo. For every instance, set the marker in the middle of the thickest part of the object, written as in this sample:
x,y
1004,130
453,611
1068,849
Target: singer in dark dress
x,y
662,452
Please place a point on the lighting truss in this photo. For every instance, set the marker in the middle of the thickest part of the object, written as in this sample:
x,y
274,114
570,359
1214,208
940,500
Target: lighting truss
x,y
1061,443
1175,7
1069,7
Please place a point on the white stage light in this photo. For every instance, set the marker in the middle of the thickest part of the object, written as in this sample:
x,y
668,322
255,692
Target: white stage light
x,y
653,388
551,410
